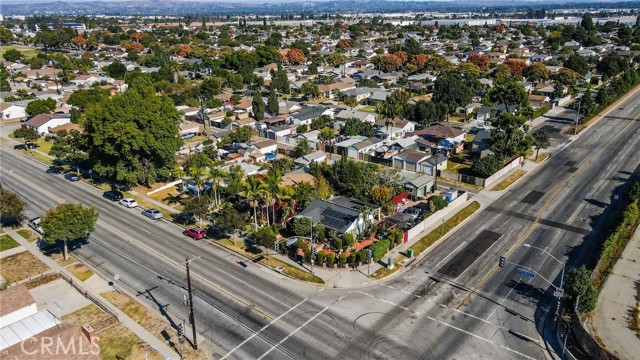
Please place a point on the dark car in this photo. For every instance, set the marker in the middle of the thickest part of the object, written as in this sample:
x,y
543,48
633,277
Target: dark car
x,y
112,195
72,177
195,233
120,187
184,218
54,170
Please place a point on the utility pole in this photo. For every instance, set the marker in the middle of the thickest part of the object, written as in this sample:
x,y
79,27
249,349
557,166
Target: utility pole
x,y
192,318
575,130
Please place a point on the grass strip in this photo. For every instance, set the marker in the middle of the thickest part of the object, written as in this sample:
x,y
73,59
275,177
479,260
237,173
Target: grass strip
x,y
28,234
509,180
6,242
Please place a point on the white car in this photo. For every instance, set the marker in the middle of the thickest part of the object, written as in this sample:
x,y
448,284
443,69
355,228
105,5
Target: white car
x,y
130,203
35,225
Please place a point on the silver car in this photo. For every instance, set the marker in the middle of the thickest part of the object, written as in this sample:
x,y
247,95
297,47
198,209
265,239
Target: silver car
x,y
35,225
153,214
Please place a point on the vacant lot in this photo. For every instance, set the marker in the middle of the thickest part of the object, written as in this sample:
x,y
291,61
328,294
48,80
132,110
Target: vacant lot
x,y
21,266
151,321
28,234
80,271
115,340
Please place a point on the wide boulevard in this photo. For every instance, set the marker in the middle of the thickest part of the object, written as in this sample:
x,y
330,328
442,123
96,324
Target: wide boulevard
x,y
455,303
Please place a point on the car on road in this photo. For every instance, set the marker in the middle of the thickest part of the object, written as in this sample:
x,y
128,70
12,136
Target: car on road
x,y
195,233
35,225
113,195
130,203
54,170
72,177
154,214
186,219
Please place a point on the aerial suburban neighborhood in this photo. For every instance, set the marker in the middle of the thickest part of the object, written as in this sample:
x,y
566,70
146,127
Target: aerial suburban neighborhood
x,y
320,180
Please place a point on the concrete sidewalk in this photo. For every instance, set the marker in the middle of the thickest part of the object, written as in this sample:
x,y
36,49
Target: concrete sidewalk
x,y
95,286
616,303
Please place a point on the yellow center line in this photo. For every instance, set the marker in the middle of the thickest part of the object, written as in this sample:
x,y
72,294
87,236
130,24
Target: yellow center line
x,y
537,220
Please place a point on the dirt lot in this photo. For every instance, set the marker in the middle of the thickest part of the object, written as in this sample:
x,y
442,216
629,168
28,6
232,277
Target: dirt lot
x,y
21,266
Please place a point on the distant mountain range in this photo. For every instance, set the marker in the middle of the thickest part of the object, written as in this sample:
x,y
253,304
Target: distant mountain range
x,y
175,7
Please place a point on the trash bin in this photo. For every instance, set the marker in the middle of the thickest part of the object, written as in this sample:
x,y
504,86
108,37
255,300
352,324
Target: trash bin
x,y
409,253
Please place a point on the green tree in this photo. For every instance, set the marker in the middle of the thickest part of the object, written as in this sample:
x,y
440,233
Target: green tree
x,y
197,206
509,92
253,188
487,166
273,105
69,146
4,80
351,102
28,135
258,106
541,140
451,90
133,137
266,237
68,222
354,127
13,55
302,226
6,36
83,98
234,180
11,207
302,148
45,106
576,63
116,70
229,218
310,90
579,285
587,22
536,72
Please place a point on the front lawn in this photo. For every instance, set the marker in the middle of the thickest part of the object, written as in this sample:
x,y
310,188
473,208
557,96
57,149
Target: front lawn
x,y
6,242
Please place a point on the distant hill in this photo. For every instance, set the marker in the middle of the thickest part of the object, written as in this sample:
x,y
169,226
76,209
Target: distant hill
x,y
165,7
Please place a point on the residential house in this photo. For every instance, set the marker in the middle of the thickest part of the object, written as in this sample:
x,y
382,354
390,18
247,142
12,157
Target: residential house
x,y
397,129
43,122
360,93
316,156
343,115
11,111
538,101
307,114
342,215
282,131
484,113
468,109
418,185
240,122
360,149
481,141
412,160
330,90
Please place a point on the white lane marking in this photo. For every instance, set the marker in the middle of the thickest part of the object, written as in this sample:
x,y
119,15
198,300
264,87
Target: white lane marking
x,y
301,326
517,352
459,329
265,327
503,299
387,301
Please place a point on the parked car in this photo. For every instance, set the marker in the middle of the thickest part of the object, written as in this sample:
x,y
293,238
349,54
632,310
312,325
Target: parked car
x,y
35,225
120,187
414,212
130,203
54,170
184,218
113,195
195,233
154,214
72,177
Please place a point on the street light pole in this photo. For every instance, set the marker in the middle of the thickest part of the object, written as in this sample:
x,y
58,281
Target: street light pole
x,y
554,258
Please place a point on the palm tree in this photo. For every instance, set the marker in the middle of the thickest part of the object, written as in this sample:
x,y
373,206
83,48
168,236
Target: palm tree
x,y
253,187
200,175
216,175
273,179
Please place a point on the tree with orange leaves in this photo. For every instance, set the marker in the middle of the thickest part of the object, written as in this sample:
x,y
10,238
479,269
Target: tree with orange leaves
x,y
137,36
419,61
389,63
402,56
79,41
480,60
135,47
295,56
516,66
184,50
344,44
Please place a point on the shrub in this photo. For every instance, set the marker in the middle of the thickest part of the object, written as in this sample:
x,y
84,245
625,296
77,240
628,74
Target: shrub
x,y
379,248
361,256
301,244
349,239
438,203
307,255
343,259
321,255
302,226
337,243
352,257
265,237
331,257
487,166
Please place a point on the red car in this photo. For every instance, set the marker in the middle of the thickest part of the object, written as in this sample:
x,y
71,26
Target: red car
x,y
195,233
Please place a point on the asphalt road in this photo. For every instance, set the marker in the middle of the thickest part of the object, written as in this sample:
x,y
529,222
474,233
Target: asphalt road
x,y
426,312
